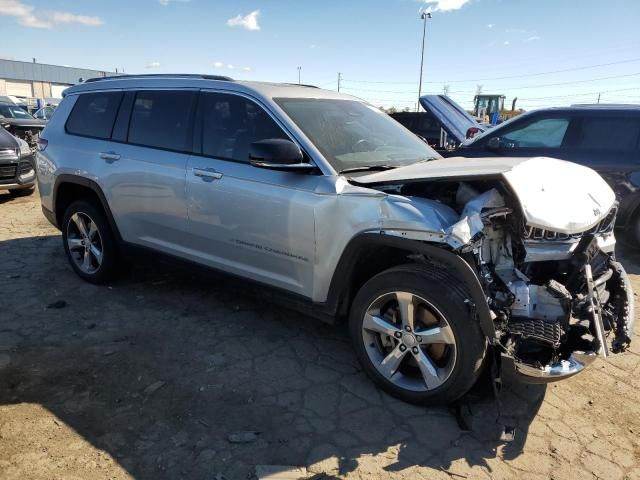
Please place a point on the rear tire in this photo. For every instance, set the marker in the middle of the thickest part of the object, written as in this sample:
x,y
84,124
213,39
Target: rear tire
x,y
433,358
89,242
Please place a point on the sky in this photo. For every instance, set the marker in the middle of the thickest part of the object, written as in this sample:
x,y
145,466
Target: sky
x,y
544,52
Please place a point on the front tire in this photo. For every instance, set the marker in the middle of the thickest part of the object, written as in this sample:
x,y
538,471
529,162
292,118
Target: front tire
x,y
88,242
415,336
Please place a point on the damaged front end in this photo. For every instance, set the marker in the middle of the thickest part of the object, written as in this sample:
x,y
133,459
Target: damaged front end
x,y
557,298
543,251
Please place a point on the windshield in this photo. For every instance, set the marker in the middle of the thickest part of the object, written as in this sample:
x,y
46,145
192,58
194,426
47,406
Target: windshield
x,y
351,134
12,111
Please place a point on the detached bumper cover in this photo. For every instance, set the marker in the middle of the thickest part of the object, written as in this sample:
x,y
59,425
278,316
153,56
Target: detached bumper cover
x,y
554,372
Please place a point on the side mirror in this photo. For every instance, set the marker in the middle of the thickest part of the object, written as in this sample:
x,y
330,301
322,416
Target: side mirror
x,y
278,154
493,144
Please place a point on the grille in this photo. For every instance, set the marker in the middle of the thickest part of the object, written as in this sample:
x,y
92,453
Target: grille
x,y
10,154
544,331
605,225
25,167
8,172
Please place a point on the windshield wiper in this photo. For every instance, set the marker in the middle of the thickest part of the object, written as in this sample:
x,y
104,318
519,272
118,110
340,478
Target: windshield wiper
x,y
368,168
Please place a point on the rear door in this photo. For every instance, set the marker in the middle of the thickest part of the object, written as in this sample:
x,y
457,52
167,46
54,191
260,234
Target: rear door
x,y
144,167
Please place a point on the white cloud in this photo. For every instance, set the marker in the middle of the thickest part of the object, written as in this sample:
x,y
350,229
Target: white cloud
x,y
152,65
27,16
64,17
507,42
250,21
230,66
445,5
491,25
533,38
164,3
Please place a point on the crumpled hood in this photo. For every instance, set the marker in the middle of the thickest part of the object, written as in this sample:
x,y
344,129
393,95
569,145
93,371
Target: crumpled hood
x,y
554,194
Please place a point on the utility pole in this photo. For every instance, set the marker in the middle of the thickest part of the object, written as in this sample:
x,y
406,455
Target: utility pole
x,y
424,16
299,70
598,98
339,80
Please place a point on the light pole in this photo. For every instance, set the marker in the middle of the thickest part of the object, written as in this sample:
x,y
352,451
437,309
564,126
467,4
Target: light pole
x,y
424,16
299,70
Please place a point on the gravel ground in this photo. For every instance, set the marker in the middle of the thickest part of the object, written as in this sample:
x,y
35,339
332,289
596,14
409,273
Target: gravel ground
x,y
169,374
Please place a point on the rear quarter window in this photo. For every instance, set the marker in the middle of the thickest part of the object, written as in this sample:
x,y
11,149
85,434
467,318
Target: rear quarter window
x,y
93,114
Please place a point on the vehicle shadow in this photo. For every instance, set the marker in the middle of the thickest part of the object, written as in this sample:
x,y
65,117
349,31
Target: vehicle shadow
x,y
161,368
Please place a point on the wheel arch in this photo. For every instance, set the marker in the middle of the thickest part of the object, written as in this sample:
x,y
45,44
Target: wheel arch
x,y
69,188
368,254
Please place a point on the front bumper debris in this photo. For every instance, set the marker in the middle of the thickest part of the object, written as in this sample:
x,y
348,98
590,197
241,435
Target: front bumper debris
x,y
613,318
553,372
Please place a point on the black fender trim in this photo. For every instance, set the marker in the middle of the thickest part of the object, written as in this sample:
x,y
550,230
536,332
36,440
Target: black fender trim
x,y
50,216
90,184
339,287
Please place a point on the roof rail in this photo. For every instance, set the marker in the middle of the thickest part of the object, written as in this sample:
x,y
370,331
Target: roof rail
x,y
160,75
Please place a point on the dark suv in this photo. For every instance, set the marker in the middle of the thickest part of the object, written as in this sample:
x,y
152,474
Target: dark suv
x,y
17,166
603,137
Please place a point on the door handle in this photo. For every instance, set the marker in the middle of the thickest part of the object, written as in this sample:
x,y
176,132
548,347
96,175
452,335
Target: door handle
x,y
110,156
207,174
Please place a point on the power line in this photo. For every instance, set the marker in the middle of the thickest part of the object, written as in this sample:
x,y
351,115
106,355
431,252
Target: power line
x,y
394,91
572,82
581,94
549,72
550,99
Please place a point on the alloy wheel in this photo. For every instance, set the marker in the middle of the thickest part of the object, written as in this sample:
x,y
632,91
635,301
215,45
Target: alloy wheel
x,y
409,341
84,242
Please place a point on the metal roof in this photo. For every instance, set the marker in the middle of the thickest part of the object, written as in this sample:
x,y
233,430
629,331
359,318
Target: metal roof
x,y
39,72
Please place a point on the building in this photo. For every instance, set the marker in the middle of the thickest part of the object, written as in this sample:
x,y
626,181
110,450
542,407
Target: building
x,y
30,81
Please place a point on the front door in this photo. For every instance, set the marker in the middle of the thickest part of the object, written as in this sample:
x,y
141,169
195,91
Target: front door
x,y
254,222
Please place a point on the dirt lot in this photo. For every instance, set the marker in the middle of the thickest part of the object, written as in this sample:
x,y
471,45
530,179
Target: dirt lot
x,y
154,376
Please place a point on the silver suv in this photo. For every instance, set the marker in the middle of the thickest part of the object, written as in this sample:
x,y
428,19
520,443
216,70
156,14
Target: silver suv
x,y
442,266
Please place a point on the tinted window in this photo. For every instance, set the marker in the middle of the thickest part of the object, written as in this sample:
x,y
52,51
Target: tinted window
x,y
93,114
544,133
161,119
231,123
607,133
